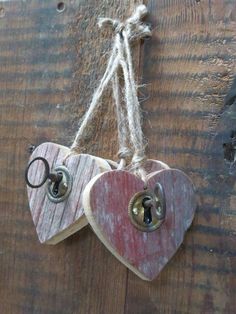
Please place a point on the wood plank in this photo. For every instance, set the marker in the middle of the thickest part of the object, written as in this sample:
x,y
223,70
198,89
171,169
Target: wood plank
x,y
188,67
50,63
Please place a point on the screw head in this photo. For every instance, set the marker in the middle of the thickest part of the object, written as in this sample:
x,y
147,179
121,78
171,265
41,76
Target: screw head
x,y
135,211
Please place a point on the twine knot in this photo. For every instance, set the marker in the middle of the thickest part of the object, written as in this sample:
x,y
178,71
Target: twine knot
x,y
133,26
138,158
124,153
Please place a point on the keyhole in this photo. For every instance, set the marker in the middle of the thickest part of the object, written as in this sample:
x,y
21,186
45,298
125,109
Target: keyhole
x,y
56,184
147,205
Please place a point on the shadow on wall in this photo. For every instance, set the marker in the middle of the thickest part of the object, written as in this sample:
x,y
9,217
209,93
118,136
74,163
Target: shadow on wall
x,y
222,163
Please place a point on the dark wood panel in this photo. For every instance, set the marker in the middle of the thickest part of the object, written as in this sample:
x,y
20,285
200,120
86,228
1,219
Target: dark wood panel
x,y
188,67
49,66
50,63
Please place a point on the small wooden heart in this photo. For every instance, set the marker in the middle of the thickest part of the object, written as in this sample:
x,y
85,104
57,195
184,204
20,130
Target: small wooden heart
x,y
149,166
106,200
56,221
152,165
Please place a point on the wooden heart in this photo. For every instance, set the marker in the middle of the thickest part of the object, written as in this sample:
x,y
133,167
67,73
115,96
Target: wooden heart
x,y
56,221
106,199
150,165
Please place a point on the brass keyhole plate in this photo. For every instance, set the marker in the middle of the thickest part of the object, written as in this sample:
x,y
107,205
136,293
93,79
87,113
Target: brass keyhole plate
x,y
64,187
136,211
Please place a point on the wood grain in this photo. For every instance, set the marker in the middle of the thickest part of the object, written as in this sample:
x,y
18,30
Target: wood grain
x,y
189,65
106,201
56,221
49,65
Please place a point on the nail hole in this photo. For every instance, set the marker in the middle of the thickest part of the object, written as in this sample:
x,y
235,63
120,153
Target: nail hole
x,y
31,148
61,7
198,1
2,12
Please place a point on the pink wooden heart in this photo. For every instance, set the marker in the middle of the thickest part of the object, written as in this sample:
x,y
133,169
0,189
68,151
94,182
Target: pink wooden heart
x,y
150,165
56,221
106,199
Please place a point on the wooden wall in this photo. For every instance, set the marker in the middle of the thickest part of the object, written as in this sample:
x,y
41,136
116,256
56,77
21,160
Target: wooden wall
x,y
49,66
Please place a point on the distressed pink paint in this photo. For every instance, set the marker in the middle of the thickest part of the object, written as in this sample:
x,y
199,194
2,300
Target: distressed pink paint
x,y
52,219
148,253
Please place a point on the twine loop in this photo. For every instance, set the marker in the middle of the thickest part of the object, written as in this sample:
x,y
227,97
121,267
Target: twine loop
x,y
128,116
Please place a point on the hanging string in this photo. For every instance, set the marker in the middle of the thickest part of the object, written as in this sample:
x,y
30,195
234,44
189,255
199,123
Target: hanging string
x,y
111,68
131,30
133,106
123,132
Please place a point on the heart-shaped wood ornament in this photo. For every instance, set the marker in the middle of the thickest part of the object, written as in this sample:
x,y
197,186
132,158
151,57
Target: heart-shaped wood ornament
x,y
56,221
150,165
106,200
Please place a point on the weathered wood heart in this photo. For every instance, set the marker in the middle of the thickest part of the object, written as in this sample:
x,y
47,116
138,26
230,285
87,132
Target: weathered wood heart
x,y
106,200
56,221
150,165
